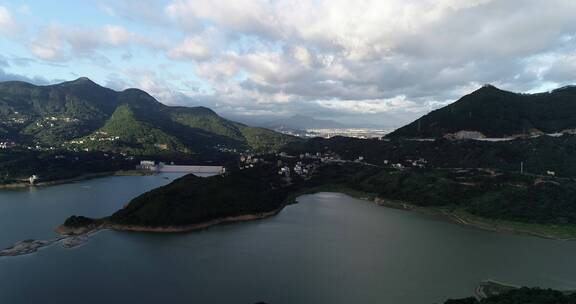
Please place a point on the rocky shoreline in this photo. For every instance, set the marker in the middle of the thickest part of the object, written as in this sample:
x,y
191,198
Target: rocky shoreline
x,y
489,288
32,246
193,227
72,237
469,221
80,230
105,224
461,219
27,247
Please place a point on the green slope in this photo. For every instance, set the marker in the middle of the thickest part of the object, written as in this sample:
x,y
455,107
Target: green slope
x,y
244,136
262,139
539,155
205,119
498,113
52,114
58,114
191,199
124,132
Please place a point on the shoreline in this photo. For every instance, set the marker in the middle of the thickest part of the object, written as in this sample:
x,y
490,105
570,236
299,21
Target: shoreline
x,y
565,233
489,288
499,226
559,233
194,227
73,179
105,224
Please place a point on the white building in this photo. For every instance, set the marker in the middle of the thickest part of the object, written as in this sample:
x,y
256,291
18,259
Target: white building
x,y
149,165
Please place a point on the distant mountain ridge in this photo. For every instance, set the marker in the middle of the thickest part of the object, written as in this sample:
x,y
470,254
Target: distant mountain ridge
x,y
492,112
303,122
87,115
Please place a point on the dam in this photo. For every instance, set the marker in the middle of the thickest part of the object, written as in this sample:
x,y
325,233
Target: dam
x,y
164,168
190,169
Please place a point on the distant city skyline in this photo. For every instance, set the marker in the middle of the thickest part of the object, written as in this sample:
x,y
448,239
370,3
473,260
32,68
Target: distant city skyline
x,y
375,62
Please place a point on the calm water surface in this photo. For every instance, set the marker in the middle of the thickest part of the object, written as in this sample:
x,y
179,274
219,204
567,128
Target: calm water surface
x,y
329,248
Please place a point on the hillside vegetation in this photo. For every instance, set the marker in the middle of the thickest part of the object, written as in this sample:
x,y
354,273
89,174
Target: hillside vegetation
x,y
483,193
538,155
81,114
497,113
191,199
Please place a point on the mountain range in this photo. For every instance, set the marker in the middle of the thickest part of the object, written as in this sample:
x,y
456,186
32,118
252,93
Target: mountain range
x,y
492,112
85,115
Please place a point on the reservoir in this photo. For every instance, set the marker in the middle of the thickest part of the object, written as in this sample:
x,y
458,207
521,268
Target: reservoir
x,y
328,248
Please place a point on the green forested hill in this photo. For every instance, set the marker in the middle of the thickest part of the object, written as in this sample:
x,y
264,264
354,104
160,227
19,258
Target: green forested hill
x,y
534,204
191,199
82,114
538,155
498,113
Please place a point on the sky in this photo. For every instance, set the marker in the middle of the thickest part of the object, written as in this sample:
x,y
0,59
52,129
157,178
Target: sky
x,y
378,62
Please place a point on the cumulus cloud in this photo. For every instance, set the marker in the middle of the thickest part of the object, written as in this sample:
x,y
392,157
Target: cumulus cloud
x,y
3,62
392,59
5,18
199,47
248,16
138,11
8,25
374,56
56,42
191,48
562,68
372,106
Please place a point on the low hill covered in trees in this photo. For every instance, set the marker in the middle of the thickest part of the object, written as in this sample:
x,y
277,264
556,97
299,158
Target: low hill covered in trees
x,y
191,200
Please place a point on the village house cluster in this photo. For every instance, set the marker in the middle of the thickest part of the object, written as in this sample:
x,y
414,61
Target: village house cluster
x,y
14,120
249,161
409,163
51,120
98,136
299,168
35,146
305,164
7,144
223,148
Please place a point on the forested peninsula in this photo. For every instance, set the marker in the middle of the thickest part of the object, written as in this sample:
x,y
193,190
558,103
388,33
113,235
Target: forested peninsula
x,y
490,199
